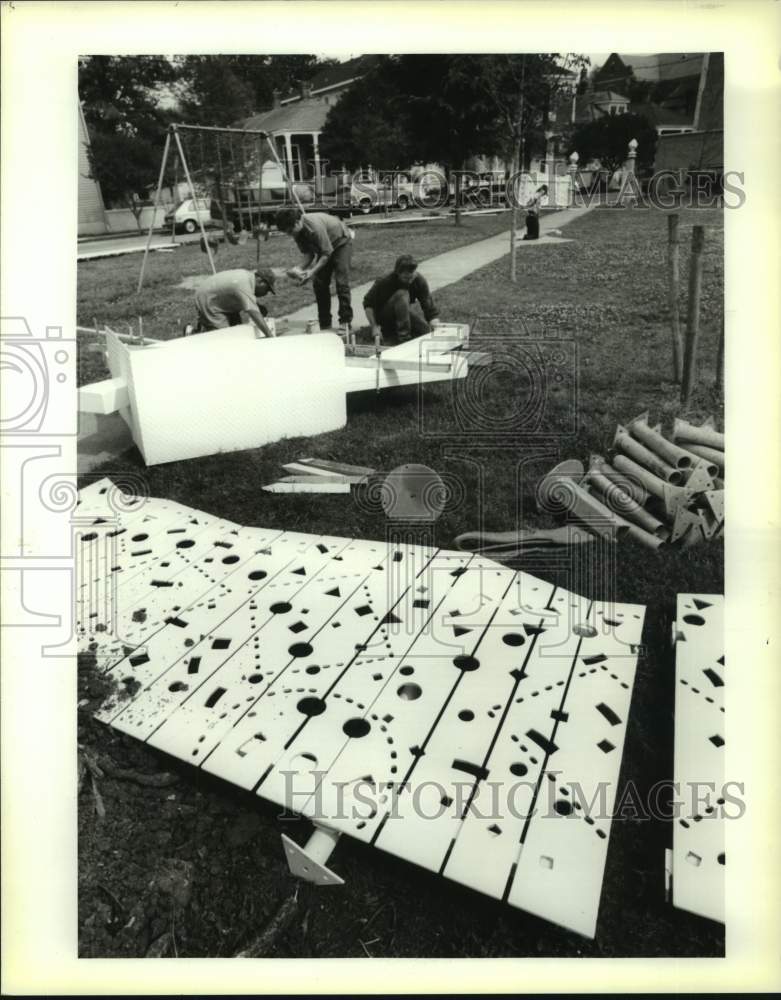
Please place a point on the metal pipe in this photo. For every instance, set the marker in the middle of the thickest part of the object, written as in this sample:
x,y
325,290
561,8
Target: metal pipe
x,y
640,535
154,211
669,452
709,454
644,456
213,128
625,505
192,194
651,482
691,434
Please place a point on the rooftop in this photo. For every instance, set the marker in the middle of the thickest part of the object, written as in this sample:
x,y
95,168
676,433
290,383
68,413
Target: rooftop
x,y
306,115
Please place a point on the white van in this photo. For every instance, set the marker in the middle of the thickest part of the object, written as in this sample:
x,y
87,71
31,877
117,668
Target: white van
x,y
187,213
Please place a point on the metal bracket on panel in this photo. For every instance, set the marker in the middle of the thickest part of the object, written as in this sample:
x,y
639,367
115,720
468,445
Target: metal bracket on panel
x,y
308,862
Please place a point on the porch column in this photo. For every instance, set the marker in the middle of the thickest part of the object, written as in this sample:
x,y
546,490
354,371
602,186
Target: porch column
x,y
318,178
289,157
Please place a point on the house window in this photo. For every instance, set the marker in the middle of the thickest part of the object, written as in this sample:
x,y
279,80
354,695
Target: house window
x,y
612,109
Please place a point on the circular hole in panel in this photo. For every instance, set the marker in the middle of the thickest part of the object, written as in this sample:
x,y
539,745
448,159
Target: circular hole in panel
x,y
409,692
313,670
186,543
356,728
518,770
177,686
513,639
466,663
230,559
257,574
255,678
584,631
300,649
280,608
311,706
406,671
562,807
466,715
90,537
722,858
694,619
139,538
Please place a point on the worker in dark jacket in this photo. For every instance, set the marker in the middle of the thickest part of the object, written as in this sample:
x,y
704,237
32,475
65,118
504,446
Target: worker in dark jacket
x,y
389,302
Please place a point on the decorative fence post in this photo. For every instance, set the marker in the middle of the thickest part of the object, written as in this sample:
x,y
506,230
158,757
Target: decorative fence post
x,y
629,172
572,170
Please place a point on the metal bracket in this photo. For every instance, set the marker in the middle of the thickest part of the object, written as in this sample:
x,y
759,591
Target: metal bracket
x,y
308,862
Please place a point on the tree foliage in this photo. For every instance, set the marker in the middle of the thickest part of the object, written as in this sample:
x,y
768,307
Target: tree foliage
x,y
120,97
607,140
129,101
445,108
221,90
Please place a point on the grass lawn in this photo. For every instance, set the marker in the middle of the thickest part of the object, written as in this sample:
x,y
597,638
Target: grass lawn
x,y
107,287
591,313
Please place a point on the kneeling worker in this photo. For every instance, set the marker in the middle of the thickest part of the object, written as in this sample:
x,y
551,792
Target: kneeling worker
x,y
389,301
223,297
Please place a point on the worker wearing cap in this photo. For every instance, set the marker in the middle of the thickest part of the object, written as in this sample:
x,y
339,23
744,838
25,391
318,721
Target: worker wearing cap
x,y
326,243
389,303
223,297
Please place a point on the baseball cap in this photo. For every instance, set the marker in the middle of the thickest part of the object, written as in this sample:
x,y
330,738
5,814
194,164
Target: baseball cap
x,y
267,275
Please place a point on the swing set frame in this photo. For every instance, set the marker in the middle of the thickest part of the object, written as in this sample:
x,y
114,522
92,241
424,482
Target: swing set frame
x,y
173,139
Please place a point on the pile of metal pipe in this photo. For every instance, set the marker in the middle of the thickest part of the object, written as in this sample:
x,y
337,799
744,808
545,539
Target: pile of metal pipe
x,y
657,491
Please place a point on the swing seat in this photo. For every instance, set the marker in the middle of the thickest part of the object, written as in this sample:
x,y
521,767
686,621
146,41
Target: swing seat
x,y
214,244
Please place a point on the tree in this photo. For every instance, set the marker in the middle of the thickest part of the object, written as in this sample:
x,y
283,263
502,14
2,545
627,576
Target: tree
x,y
521,92
607,139
369,122
122,102
221,90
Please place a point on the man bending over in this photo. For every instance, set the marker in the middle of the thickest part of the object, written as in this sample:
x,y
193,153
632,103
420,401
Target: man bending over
x,y
223,297
326,244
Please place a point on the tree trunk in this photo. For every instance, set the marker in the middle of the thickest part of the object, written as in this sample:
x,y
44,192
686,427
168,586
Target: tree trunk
x,y
514,214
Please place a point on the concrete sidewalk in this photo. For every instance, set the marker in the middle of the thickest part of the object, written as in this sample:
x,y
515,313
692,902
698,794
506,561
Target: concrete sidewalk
x,y
453,265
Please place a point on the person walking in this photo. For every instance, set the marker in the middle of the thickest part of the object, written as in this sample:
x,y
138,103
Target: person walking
x,y
389,304
326,243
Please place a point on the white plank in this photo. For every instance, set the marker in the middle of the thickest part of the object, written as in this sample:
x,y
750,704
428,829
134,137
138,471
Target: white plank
x,y
700,683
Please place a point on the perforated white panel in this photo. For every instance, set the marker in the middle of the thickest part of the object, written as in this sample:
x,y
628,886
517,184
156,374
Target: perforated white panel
x,y
698,832
449,710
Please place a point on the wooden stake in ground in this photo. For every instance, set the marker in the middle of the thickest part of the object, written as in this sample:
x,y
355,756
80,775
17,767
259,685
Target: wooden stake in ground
x,y
693,313
673,281
720,359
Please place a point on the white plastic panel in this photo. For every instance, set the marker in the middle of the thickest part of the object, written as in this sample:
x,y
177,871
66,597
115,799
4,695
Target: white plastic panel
x,y
418,699
227,390
700,678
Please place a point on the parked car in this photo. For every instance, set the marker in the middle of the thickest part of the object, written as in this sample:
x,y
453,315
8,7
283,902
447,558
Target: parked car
x,y
187,214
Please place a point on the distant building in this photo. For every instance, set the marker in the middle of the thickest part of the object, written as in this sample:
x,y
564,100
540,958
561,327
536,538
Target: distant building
x,y
91,210
297,120
702,147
